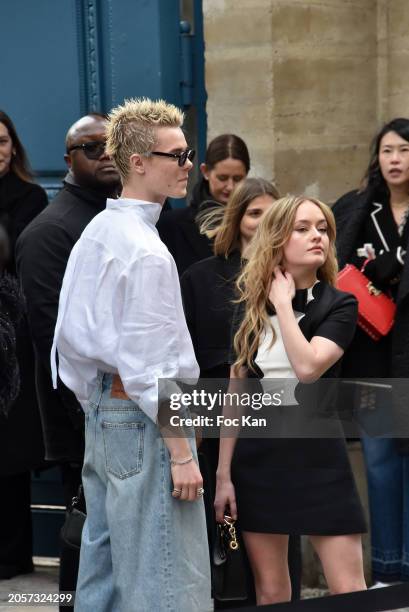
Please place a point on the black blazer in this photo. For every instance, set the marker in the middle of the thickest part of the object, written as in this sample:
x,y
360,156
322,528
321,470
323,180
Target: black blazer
x,y
42,253
20,202
208,291
351,212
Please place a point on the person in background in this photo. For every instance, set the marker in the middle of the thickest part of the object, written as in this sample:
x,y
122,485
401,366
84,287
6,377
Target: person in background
x,y
11,313
208,292
42,253
227,163
292,324
120,328
208,286
21,440
373,230
20,198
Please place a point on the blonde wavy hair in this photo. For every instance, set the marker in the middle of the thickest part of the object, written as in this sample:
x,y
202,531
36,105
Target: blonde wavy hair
x,y
223,222
265,253
132,127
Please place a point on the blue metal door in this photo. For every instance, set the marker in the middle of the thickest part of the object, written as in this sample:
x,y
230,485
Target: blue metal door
x,y
61,59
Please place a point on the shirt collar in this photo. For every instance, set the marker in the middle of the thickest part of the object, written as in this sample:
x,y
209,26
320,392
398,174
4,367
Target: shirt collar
x,y
149,211
303,297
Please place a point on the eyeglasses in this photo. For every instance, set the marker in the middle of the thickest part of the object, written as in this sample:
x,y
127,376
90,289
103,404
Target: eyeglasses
x,y
92,150
182,158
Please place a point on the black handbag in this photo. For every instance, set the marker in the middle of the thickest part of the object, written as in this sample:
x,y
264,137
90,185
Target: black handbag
x,y
228,570
71,531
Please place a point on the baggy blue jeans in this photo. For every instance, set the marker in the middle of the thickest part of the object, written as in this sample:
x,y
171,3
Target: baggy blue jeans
x,y
142,550
388,490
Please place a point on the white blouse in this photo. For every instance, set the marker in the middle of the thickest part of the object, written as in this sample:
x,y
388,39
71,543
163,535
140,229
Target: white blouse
x,y
273,360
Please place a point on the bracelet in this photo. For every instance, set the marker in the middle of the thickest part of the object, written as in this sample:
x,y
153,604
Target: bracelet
x,y
181,461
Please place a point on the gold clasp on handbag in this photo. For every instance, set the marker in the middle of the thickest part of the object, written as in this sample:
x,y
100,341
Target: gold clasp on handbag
x,y
233,544
373,290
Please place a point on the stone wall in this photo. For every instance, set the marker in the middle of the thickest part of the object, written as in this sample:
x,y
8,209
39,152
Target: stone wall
x,y
239,75
393,53
306,84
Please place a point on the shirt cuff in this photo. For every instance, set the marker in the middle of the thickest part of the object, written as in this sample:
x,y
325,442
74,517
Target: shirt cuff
x,y
400,254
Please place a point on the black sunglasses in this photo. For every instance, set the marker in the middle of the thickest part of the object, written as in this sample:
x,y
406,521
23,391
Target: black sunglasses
x,y
182,158
92,150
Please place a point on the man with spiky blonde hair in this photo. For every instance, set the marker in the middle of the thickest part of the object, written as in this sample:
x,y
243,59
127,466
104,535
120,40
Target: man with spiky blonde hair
x,y
137,120
120,328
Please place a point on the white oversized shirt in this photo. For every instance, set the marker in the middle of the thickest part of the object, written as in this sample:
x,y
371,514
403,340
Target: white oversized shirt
x,y
120,308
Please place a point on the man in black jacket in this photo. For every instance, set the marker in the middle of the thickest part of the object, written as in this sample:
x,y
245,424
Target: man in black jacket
x,y
42,253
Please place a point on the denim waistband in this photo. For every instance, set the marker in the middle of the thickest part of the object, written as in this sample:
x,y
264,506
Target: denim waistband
x,y
102,395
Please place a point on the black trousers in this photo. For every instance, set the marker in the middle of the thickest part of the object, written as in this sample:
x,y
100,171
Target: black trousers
x,y
16,538
69,558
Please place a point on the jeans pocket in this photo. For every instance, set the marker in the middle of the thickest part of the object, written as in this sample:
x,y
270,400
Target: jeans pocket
x,y
123,444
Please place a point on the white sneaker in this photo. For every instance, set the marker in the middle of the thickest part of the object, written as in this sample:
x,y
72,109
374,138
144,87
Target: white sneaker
x,y
380,585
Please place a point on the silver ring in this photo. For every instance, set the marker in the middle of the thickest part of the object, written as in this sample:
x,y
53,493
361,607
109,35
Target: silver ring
x,y
178,491
200,492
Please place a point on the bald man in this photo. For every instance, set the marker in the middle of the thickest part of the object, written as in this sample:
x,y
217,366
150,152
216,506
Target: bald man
x,y
89,166
42,253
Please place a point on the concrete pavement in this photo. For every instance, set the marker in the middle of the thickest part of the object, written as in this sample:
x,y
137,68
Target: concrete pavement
x,y
43,580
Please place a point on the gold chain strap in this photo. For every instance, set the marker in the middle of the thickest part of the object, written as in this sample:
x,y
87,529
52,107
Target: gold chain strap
x,y
229,522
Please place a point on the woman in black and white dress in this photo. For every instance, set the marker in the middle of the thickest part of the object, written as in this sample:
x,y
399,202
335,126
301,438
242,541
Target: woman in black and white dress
x,y
282,486
208,292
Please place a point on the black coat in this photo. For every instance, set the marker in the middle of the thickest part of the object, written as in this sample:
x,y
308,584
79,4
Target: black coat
x,y
11,313
21,440
179,231
208,291
20,202
351,213
42,254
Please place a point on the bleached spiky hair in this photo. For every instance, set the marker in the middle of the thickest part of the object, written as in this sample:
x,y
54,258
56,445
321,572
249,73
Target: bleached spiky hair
x,y
132,129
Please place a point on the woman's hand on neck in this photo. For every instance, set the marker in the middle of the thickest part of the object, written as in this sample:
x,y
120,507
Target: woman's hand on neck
x,y
285,282
282,289
303,279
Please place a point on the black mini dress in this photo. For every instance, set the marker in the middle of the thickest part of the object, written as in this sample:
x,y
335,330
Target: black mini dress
x,y
289,485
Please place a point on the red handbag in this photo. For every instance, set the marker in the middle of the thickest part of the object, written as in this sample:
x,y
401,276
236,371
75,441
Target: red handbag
x,y
376,310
